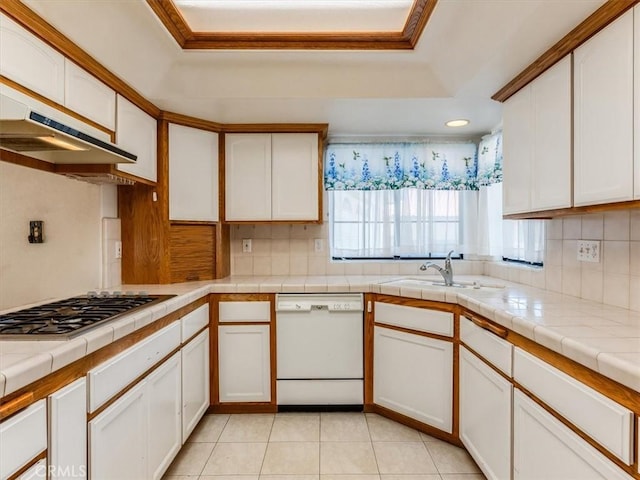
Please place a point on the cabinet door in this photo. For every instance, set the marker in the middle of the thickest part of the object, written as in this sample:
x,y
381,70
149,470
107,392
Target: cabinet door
x,y
68,431
29,61
636,107
545,448
193,174
413,375
88,96
39,470
244,363
517,151
485,416
195,382
137,132
164,416
294,176
22,437
247,176
118,438
551,161
603,115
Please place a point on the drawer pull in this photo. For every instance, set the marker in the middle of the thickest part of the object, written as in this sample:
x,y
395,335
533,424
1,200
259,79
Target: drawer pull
x,y
484,324
16,404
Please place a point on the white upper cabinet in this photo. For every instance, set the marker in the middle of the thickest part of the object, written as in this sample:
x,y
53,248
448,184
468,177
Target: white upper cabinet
x,y
551,168
137,132
248,176
537,143
29,61
193,174
294,176
88,96
603,115
517,152
636,90
271,177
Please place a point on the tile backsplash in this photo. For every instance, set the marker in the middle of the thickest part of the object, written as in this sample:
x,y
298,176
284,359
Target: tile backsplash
x,y
68,262
291,250
615,280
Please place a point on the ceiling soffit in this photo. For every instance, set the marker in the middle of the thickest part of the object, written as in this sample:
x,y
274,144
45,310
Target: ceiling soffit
x,y
406,39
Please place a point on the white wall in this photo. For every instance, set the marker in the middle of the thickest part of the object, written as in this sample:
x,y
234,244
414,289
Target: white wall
x,y
69,262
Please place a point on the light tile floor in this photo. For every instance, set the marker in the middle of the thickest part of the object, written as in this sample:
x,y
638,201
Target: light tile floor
x,y
316,446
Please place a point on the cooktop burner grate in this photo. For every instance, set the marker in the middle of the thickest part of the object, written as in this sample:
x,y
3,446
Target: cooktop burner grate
x,y
70,317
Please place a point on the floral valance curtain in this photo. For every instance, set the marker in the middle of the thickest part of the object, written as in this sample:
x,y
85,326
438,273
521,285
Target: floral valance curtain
x,y
427,166
392,166
490,159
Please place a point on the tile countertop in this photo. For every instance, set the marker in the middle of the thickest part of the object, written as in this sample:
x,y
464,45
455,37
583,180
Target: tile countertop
x,y
605,339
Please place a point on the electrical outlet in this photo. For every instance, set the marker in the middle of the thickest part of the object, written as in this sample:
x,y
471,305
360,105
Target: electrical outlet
x,y
318,245
589,251
246,245
118,249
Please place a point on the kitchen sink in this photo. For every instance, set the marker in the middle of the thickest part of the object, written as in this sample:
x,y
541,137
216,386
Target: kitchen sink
x,y
414,282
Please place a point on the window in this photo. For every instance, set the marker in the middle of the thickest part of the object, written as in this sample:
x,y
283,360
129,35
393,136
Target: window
x,y
386,224
523,241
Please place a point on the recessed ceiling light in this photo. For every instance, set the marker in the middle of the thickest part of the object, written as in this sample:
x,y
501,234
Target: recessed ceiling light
x,y
457,123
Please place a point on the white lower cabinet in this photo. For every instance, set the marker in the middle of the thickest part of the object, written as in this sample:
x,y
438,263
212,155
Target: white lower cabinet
x,y
195,382
412,375
485,416
118,438
22,438
164,412
244,363
68,431
37,471
544,448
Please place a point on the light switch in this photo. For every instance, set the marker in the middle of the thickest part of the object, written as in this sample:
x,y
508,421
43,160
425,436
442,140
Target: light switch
x,y
118,249
318,245
246,245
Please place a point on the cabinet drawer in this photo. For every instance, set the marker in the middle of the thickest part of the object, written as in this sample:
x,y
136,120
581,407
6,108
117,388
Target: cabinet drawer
x,y
420,319
194,321
244,312
607,422
491,347
22,437
109,378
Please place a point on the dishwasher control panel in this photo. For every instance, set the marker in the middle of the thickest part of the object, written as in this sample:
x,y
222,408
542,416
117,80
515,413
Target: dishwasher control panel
x,y
310,302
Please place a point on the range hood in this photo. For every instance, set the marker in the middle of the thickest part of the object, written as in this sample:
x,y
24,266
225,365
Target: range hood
x,y
30,133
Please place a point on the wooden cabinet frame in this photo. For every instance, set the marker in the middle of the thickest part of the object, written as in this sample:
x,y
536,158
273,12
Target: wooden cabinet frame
x,y
241,407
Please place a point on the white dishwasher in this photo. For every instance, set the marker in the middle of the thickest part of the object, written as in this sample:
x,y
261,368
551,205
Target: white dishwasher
x,y
319,349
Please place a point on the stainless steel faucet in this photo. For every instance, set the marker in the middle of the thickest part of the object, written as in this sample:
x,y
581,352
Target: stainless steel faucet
x,y
446,272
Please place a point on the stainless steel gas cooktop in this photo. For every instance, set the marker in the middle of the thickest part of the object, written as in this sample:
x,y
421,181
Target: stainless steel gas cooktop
x,y
67,318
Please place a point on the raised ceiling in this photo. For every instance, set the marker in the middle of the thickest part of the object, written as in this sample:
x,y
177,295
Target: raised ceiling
x,y
294,24
467,52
